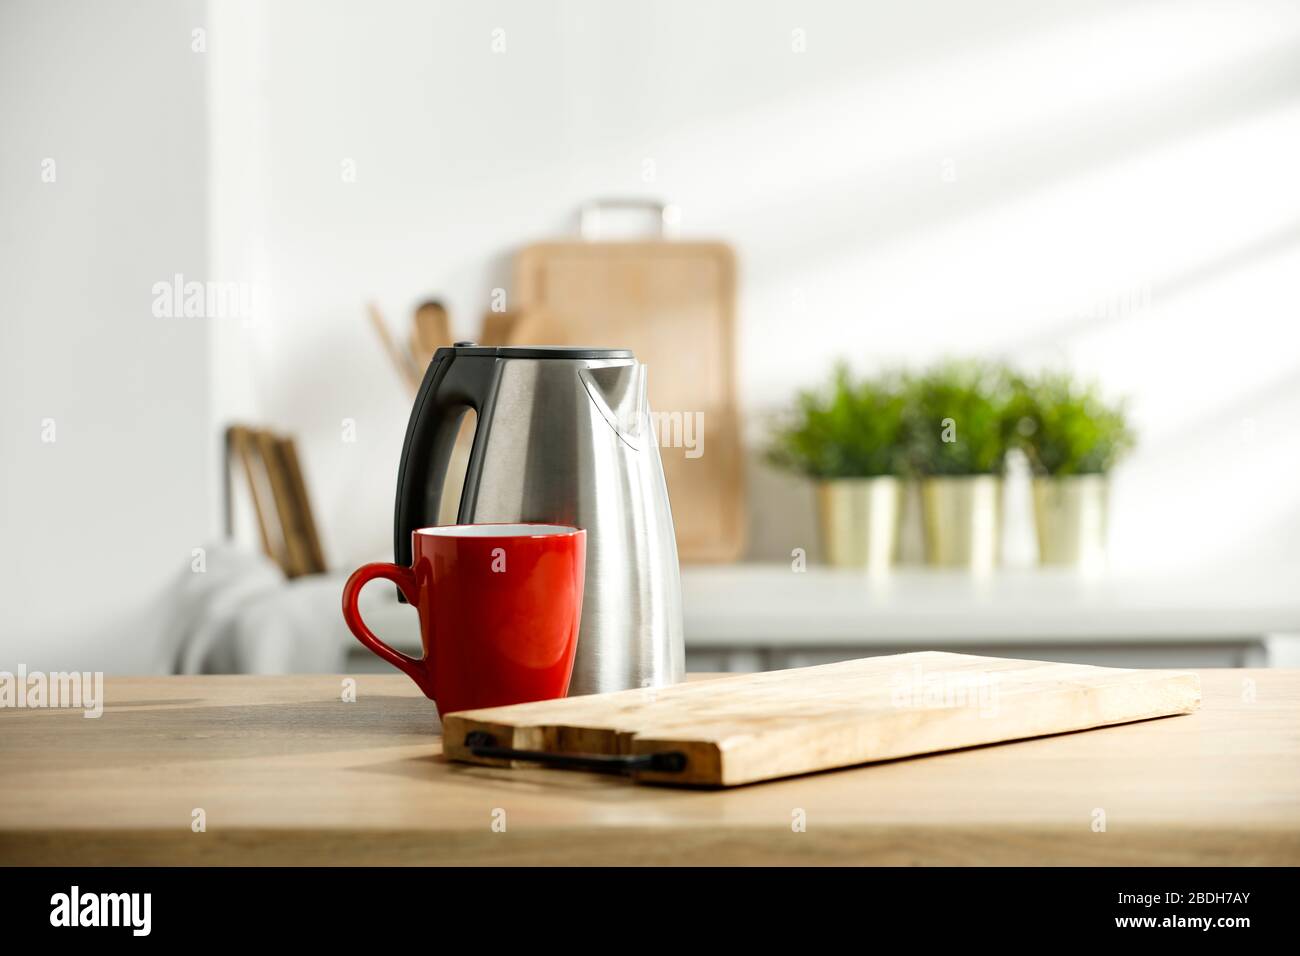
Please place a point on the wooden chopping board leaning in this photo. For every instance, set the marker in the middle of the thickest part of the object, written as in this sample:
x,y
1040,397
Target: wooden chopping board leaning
x,y
673,304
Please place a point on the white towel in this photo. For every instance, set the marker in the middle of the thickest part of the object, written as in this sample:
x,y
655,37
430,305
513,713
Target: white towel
x,y
239,614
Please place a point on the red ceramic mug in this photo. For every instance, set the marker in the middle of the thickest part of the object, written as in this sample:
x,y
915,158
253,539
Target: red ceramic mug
x,y
499,609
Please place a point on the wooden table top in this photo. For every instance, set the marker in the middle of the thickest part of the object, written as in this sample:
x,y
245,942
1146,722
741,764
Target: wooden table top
x,y
285,771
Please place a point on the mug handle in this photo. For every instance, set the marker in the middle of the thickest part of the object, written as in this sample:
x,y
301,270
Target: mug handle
x,y
404,578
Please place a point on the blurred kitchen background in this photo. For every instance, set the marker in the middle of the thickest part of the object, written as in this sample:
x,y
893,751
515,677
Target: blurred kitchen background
x,y
1097,201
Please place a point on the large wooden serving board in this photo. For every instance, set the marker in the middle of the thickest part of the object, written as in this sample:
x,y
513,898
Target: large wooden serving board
x,y
751,727
673,304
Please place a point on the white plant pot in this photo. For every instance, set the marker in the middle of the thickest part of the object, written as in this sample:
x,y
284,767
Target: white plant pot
x,y
963,521
1070,517
859,521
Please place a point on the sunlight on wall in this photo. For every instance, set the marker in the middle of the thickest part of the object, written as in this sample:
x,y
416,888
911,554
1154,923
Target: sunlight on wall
x,y
1108,187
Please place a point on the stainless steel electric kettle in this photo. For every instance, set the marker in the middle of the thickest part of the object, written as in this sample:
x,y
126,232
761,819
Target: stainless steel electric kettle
x,y
563,436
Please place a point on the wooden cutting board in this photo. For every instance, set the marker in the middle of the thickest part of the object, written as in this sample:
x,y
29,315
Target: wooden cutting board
x,y
751,727
673,304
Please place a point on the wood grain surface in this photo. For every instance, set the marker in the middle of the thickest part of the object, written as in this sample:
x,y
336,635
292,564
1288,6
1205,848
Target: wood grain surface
x,y
752,727
286,771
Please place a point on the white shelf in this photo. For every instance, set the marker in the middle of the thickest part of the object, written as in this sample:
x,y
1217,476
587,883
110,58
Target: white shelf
x,y
754,606
754,616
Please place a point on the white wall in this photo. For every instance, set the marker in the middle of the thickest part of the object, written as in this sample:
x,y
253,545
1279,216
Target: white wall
x,y
1106,185
94,522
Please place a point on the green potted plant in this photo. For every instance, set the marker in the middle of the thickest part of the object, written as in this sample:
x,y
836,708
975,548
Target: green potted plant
x,y
848,438
958,431
1072,438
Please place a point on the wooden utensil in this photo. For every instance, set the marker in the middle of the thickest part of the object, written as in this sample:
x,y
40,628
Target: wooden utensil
x,y
673,304
430,331
498,327
407,370
751,727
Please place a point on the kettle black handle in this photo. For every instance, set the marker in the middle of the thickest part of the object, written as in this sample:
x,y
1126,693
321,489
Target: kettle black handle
x,y
454,382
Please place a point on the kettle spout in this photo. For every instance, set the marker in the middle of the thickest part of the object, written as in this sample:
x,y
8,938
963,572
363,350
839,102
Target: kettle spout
x,y
619,393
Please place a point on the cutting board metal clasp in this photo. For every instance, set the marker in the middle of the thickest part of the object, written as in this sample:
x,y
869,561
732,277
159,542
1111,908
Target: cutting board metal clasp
x,y
482,744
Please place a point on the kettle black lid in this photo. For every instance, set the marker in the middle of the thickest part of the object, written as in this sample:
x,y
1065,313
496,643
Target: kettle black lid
x,y
538,351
